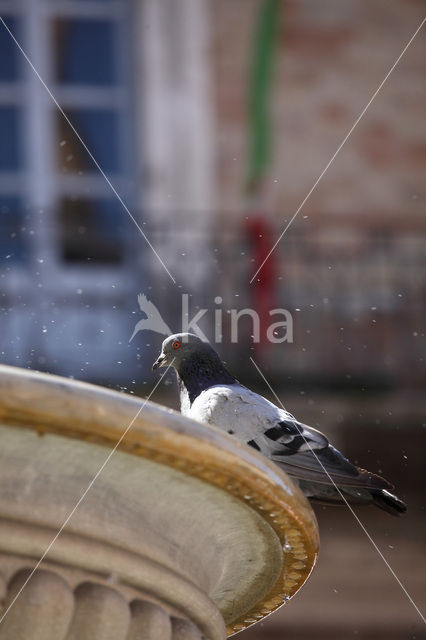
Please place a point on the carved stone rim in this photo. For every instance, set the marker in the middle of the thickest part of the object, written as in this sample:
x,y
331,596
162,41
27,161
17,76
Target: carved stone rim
x,y
95,414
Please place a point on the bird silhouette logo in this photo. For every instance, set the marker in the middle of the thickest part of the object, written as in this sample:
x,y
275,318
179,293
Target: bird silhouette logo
x,y
153,320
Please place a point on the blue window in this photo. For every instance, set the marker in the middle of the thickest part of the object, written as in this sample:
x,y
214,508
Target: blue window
x,y
9,53
99,130
10,155
13,239
93,230
85,52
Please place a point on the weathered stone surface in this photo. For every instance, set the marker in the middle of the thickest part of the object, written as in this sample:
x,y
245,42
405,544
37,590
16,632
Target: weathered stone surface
x,y
148,622
100,612
182,516
42,610
184,630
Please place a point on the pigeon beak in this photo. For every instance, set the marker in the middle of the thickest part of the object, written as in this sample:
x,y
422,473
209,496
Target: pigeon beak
x,y
160,362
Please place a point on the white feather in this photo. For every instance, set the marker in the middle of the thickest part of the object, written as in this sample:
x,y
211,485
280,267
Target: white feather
x,y
248,415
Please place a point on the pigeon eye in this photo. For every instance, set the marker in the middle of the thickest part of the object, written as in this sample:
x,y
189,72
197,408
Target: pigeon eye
x,y
176,345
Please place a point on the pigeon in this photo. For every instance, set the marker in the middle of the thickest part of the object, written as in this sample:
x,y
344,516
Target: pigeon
x,y
210,394
153,320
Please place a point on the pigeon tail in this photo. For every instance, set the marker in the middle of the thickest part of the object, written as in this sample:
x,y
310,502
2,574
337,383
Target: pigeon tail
x,y
388,502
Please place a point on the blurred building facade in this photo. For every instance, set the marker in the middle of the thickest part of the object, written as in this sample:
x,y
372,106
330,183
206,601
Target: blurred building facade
x,y
132,81
351,266
157,91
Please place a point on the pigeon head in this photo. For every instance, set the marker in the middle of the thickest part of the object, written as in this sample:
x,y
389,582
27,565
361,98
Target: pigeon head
x,y
182,347
197,364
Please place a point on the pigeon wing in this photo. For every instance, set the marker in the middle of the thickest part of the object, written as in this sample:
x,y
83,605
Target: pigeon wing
x,y
300,450
289,437
254,419
319,466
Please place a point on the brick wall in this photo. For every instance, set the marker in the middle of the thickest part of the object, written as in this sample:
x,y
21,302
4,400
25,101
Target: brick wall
x,y
331,58
353,261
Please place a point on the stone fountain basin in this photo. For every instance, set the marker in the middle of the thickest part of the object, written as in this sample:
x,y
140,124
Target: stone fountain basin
x,y
181,514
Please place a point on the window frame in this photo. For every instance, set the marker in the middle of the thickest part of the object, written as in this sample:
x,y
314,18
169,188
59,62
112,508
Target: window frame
x,y
40,183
